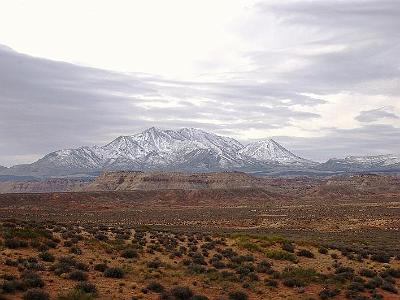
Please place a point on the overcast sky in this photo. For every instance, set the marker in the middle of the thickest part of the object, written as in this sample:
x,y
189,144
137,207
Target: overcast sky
x,y
321,77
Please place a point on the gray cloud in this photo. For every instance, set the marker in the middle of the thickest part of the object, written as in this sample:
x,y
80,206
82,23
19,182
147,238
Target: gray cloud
x,y
376,114
366,29
47,105
366,140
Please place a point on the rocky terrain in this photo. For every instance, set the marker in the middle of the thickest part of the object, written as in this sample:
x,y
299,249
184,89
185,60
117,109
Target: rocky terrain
x,y
157,235
43,186
120,181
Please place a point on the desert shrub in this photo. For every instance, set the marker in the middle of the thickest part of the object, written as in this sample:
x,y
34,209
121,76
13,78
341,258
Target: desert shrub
x,y
155,287
36,294
51,244
328,293
228,253
391,272
81,266
245,269
281,255
101,237
11,262
100,267
15,243
198,258
32,280
271,282
388,286
129,253
75,250
301,274
367,273
356,286
9,277
374,283
216,263
343,269
199,297
86,287
12,285
305,253
78,275
376,296
114,273
68,244
263,266
238,295
181,292
47,256
75,295
323,250
154,264
293,282
289,247
381,257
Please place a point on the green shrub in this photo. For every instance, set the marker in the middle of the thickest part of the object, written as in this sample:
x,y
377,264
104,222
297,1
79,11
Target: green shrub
x,y
367,273
36,294
181,292
323,250
199,297
381,257
100,267
155,287
129,253
75,295
47,256
328,293
32,280
281,255
238,296
15,243
289,247
387,286
86,287
114,273
271,282
78,275
305,253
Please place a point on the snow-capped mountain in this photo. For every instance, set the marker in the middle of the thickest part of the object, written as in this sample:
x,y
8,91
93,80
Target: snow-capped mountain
x,y
363,163
269,150
185,149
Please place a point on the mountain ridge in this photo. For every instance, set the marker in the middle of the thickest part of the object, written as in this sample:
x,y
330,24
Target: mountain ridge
x,y
192,150
184,149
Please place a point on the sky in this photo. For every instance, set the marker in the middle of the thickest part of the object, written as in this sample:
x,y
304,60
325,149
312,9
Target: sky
x,y
320,77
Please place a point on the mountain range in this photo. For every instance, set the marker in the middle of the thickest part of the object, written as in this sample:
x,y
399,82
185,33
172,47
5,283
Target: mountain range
x,y
191,150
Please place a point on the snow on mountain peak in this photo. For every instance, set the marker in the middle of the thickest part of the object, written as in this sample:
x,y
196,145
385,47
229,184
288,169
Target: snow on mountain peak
x,y
167,149
269,150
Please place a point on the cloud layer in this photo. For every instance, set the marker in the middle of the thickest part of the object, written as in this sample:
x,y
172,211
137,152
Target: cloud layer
x,y
323,77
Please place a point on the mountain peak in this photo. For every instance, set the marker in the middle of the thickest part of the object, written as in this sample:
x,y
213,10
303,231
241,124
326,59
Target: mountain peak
x,y
184,149
268,150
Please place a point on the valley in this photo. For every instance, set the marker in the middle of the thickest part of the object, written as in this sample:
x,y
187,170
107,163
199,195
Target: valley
x,y
231,236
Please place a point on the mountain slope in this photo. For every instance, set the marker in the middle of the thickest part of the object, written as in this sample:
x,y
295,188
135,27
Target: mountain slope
x,y
363,163
269,150
185,149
